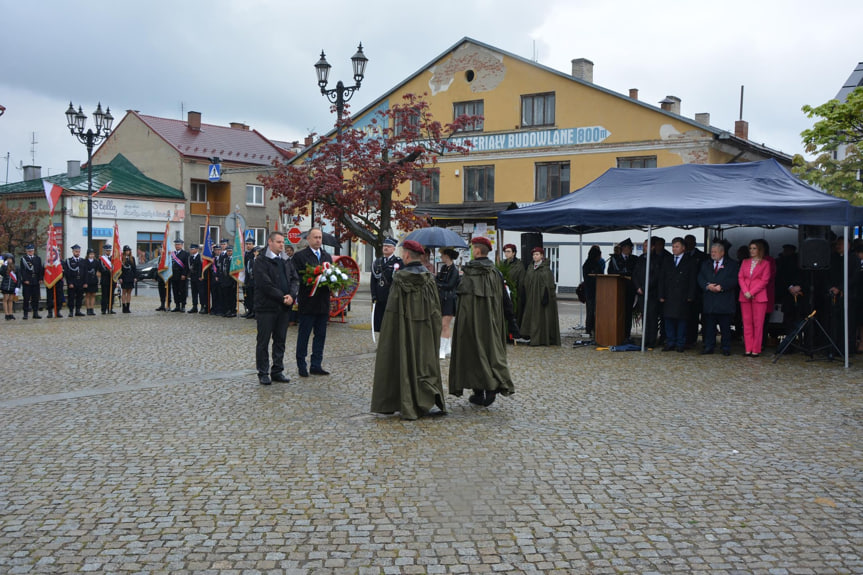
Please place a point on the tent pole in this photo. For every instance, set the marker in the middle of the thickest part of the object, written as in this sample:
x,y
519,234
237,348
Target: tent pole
x,y
646,291
847,240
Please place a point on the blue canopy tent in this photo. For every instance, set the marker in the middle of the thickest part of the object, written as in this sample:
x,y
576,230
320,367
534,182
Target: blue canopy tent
x,y
755,193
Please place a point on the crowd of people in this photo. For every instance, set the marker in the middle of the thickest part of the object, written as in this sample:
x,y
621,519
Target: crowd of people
x,y
691,293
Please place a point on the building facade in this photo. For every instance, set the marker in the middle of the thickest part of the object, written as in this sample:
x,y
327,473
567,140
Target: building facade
x,y
182,153
545,133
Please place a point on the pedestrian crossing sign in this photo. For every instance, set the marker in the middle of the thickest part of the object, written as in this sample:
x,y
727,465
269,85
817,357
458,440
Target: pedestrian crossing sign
x,y
215,172
250,235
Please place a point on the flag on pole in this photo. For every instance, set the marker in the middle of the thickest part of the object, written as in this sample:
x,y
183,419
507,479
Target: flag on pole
x,y
103,188
238,267
53,267
165,269
52,194
116,261
207,252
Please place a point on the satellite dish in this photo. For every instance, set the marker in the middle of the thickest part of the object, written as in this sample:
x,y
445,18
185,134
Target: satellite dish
x,y
231,223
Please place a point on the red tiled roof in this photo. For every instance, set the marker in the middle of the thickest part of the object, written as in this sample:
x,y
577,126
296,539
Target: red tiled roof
x,y
229,144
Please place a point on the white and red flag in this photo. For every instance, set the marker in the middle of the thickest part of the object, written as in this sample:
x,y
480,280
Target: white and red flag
x,y
52,194
53,266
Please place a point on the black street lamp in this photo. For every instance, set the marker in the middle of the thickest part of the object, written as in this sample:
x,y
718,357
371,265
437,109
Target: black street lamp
x,y
76,122
341,93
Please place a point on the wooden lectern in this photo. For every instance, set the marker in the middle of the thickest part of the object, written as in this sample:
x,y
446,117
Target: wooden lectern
x,y
610,315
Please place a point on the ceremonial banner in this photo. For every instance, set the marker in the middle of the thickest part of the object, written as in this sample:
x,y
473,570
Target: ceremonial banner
x,y
116,261
53,267
165,270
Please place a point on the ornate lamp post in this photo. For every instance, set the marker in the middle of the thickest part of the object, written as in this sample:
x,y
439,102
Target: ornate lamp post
x,y
341,93
76,122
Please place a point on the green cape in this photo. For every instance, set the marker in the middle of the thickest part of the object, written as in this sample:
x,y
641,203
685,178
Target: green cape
x,y
540,323
479,338
407,368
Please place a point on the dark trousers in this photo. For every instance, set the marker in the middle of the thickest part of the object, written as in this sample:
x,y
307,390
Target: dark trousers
x,y
675,332
180,290
107,295
74,297
653,323
31,297
308,324
380,308
216,299
195,285
723,320
54,298
229,296
590,318
163,292
271,325
249,298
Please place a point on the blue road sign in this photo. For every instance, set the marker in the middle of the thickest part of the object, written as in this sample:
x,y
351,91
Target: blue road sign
x,y
215,172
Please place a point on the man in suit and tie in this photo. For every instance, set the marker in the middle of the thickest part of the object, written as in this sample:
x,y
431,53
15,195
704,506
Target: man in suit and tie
x,y
313,310
677,294
717,280
73,273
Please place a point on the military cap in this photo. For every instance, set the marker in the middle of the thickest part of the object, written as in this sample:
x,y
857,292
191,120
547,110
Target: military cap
x,y
29,247
178,241
107,247
536,250
390,242
481,240
76,247
223,241
626,242
90,251
127,249
510,247
193,246
413,246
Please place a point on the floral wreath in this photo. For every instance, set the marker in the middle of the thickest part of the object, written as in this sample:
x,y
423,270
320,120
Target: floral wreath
x,y
326,275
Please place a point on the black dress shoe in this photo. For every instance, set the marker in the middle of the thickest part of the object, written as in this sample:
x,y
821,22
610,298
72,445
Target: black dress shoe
x,y
726,352
193,310
230,314
79,314
681,349
161,308
303,372
37,316
280,377
204,311
478,397
707,352
319,371
668,348
264,379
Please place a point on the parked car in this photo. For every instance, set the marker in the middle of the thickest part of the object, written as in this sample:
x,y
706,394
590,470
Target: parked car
x,y
147,270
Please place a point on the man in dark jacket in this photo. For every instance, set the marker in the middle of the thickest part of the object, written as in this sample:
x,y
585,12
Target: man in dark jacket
x,y
381,280
74,274
623,264
313,307
30,273
653,322
677,294
276,287
717,279
180,275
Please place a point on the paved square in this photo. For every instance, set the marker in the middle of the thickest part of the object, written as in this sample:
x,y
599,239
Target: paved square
x,y
143,443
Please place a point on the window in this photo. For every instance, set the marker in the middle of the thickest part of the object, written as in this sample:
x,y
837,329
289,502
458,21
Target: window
x,y
260,235
428,192
474,108
202,234
537,110
412,119
199,192
479,184
32,206
254,195
149,245
552,180
637,162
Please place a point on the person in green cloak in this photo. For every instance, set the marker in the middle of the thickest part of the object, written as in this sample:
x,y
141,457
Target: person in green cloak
x,y
407,369
541,323
479,339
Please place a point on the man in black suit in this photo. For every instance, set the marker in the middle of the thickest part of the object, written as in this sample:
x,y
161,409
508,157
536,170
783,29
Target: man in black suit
x,y
195,266
717,279
623,264
276,287
74,274
314,310
30,273
677,294
180,275
653,322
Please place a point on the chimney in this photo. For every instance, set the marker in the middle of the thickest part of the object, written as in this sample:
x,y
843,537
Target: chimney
x,y
32,172
309,141
582,68
194,121
239,126
73,168
633,93
671,104
741,129
703,118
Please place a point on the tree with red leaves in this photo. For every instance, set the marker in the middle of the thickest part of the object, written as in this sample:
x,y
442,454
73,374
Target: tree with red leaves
x,y
19,226
354,177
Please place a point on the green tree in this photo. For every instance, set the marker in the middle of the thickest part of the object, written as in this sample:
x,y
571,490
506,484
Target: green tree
x,y
841,125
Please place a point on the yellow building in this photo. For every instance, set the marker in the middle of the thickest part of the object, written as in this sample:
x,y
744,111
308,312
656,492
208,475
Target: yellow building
x,y
546,133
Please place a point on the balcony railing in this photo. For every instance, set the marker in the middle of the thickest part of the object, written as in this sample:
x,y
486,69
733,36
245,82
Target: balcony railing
x,y
216,208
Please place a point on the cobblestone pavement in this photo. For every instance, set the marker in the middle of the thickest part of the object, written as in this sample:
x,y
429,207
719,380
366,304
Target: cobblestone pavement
x,y
143,443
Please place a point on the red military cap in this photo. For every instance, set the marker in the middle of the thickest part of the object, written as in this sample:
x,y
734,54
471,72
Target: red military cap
x,y
536,250
481,240
510,247
413,246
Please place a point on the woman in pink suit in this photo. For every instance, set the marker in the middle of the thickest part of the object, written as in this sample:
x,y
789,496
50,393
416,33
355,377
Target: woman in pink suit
x,y
754,277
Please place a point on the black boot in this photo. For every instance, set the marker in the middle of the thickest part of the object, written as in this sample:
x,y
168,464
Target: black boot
x,y
90,311
126,308
78,313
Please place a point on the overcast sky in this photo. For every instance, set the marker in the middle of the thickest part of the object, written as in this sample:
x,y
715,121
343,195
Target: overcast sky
x,y
252,61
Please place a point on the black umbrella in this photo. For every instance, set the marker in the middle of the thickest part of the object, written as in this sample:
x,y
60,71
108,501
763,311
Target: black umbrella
x,y
437,238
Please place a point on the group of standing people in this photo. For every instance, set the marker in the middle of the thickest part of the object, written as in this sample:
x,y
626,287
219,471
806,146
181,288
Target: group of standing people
x,y
535,294
82,278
